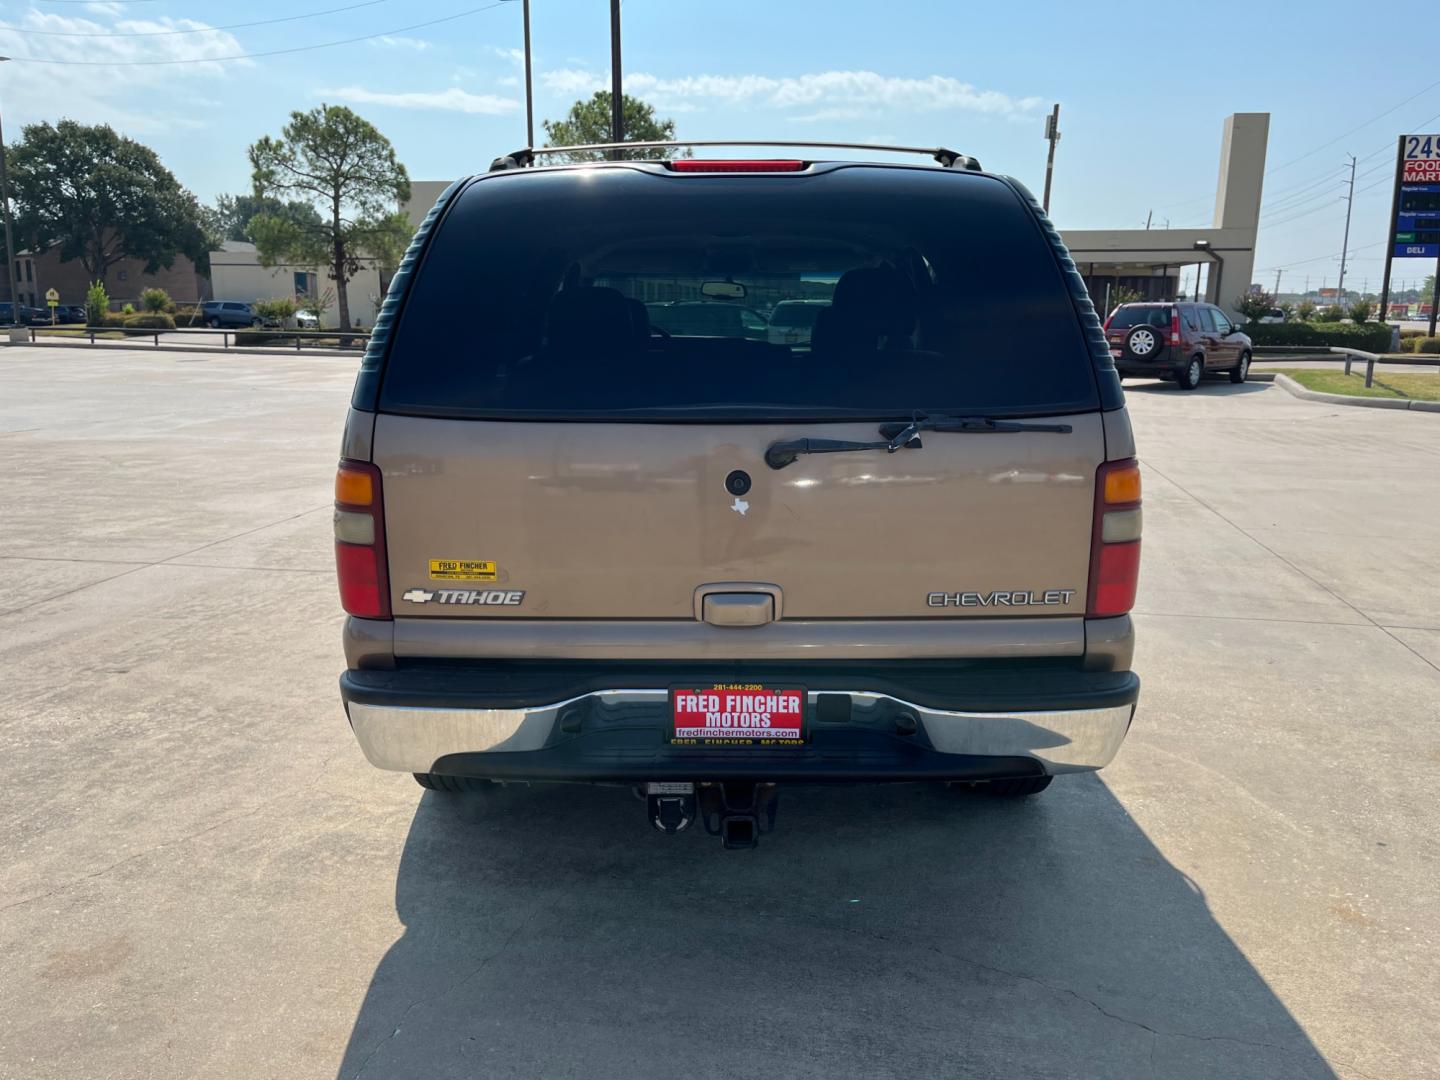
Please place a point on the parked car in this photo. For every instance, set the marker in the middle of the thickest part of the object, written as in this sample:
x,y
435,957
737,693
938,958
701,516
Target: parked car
x,y
1274,315
70,313
306,321
704,567
792,320
1179,341
707,318
23,314
220,314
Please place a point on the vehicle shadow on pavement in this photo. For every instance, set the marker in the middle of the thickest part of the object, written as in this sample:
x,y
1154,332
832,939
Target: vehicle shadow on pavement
x,y
879,931
1208,388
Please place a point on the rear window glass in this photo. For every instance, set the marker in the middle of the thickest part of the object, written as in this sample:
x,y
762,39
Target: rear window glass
x,y
1140,315
621,293
796,316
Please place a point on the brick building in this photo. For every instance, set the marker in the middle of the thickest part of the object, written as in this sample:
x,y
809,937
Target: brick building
x,y
125,280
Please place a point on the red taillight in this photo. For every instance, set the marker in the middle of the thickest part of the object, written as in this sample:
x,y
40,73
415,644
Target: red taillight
x,y
1115,540
1174,327
360,541
692,165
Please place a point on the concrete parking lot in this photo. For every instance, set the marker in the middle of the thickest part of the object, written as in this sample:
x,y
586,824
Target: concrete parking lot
x,y
201,876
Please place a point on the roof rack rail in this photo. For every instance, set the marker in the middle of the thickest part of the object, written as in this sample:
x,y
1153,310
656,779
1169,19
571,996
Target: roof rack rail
x,y
523,158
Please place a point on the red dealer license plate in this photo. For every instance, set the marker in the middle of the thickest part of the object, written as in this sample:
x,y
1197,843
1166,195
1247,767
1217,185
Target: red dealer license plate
x,y
737,714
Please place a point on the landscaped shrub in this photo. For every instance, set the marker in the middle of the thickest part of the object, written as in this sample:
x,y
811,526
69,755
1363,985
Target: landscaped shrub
x,y
1423,345
1360,310
1304,310
276,310
1368,337
1329,314
152,320
97,304
156,300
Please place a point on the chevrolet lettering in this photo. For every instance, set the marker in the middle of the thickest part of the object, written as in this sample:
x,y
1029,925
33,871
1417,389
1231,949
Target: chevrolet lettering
x,y
1002,598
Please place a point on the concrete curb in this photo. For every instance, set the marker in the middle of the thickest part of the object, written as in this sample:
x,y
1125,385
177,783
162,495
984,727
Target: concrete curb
x,y
1281,379
202,350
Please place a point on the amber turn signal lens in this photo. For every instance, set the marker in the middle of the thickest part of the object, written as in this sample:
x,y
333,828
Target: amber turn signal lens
x,y
353,487
1123,485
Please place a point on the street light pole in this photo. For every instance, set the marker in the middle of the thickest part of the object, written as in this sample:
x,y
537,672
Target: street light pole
x,y
1052,136
617,102
529,91
9,230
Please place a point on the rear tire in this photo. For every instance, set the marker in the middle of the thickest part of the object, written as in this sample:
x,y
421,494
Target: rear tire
x,y
1016,788
453,784
1240,370
1190,378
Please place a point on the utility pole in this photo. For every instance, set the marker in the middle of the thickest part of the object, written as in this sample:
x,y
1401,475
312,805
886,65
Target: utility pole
x,y
1148,216
617,99
1052,135
529,89
1345,247
1277,281
10,274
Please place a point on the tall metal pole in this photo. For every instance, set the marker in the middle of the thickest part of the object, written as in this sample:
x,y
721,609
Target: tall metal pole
x,y
1435,297
529,88
1394,218
1052,135
1345,246
1277,281
617,100
9,231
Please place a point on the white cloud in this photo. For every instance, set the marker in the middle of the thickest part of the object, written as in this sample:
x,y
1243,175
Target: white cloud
x,y
112,88
386,41
514,56
573,81
452,99
830,94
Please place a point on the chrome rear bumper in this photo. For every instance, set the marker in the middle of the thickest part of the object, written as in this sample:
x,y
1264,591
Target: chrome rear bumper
x,y
413,738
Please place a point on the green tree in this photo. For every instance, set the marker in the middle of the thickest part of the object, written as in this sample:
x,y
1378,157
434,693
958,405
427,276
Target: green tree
x,y
345,169
1427,289
589,122
1255,305
101,198
233,214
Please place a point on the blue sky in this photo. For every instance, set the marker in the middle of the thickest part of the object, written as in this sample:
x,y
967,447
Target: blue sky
x,y
1143,89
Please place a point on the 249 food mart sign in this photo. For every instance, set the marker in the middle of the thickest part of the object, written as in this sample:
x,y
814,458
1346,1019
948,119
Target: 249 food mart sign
x,y
1417,209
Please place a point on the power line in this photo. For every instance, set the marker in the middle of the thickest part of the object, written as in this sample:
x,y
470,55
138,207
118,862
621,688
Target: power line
x,y
268,52
1389,145
198,30
1358,127
1322,258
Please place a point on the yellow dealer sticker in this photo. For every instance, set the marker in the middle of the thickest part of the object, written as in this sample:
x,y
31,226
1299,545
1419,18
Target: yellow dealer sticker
x,y
462,570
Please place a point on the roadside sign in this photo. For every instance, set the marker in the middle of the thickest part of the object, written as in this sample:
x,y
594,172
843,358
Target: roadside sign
x,y
52,297
1416,230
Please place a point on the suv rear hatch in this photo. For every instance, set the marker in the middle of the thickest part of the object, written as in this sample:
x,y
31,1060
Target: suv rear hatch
x,y
555,455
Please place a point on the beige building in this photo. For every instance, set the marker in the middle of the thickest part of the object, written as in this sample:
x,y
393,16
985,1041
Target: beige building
x,y
236,274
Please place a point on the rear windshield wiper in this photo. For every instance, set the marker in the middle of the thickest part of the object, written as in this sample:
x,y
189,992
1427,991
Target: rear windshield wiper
x,y
899,436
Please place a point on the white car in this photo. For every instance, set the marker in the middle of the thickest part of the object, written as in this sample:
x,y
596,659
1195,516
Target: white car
x,y
305,320
792,321
1274,315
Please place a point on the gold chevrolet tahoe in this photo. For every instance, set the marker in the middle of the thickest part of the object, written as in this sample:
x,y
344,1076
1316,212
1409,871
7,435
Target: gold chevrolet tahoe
x,y
596,523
